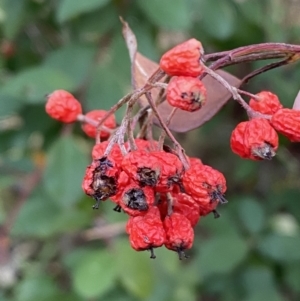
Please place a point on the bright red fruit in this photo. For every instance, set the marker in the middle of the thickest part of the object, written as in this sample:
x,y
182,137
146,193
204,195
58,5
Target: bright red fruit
x,y
186,93
63,106
97,115
183,59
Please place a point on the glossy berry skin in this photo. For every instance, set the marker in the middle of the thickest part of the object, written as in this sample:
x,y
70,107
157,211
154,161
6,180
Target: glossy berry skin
x,y
183,59
136,200
97,115
186,93
268,103
287,122
258,137
179,233
146,232
63,106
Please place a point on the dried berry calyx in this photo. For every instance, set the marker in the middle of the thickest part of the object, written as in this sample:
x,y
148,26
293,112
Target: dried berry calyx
x,y
136,200
143,167
100,180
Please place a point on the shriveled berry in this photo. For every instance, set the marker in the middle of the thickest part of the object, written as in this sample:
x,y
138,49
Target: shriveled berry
x,y
183,59
136,200
287,122
255,139
186,93
100,180
260,139
97,115
115,153
142,167
203,180
146,232
179,234
266,103
63,106
206,186
170,173
237,140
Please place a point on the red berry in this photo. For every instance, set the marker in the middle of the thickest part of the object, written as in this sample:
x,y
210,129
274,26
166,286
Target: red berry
x,y
115,153
146,232
287,122
206,186
179,233
267,103
186,93
63,106
97,115
255,139
100,180
183,59
237,140
142,167
136,200
170,173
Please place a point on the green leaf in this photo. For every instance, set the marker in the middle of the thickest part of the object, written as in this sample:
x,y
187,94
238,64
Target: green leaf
x,y
258,278
218,21
14,17
259,284
63,60
104,89
33,84
135,270
169,14
66,164
12,104
36,289
252,215
292,276
221,255
94,274
69,9
280,248
38,217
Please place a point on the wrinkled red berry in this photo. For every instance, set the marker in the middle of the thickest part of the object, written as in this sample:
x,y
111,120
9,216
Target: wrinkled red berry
x,y
63,106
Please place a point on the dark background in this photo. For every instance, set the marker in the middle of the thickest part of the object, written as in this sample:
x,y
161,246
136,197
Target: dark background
x,y
53,246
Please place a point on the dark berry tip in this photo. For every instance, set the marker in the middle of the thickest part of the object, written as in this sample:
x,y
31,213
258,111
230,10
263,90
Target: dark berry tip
x,y
118,208
152,256
216,214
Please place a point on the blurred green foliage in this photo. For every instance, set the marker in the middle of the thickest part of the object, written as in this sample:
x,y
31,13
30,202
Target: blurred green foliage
x,y
47,251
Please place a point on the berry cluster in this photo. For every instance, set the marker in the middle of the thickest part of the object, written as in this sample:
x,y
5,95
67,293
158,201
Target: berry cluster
x,y
163,191
184,91
257,138
164,202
